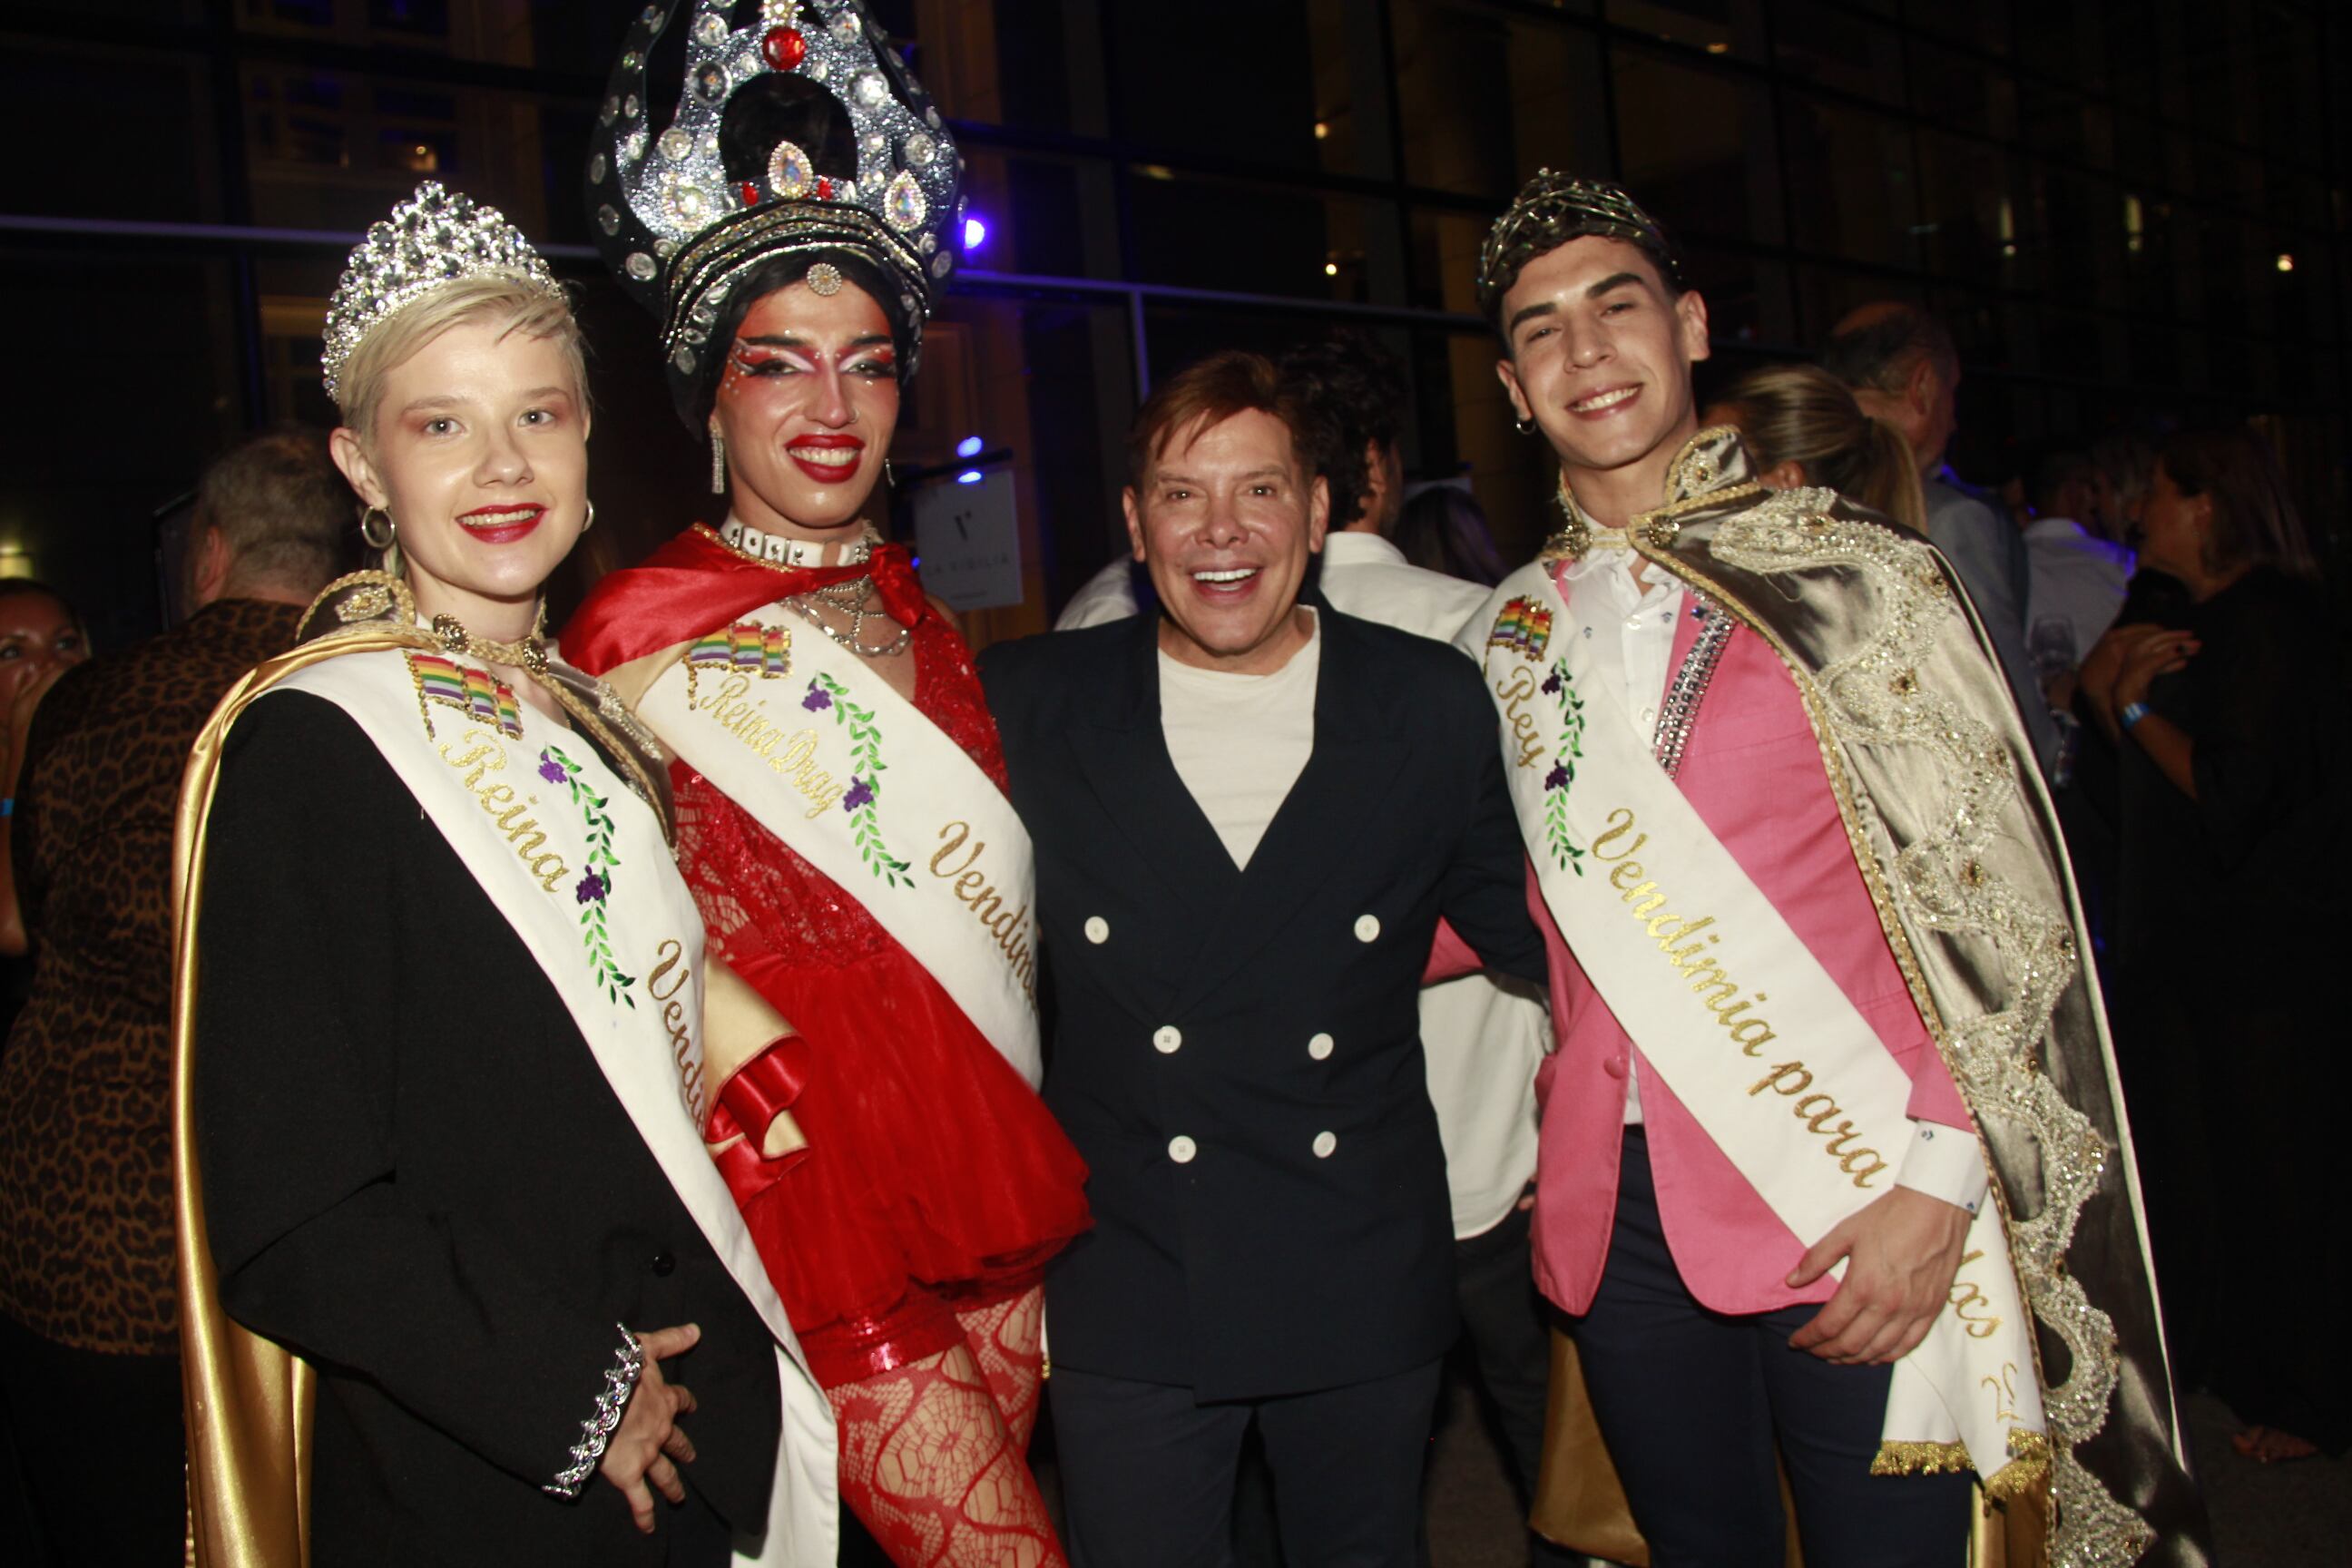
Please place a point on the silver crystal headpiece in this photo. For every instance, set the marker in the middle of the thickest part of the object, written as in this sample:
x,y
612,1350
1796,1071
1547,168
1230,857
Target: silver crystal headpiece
x,y
679,228
436,237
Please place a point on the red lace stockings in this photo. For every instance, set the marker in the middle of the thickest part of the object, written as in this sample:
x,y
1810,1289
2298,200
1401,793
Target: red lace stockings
x,y
932,1454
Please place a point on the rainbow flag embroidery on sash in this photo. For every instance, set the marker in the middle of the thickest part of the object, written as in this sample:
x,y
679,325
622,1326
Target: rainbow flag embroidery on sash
x,y
1524,628
746,645
470,691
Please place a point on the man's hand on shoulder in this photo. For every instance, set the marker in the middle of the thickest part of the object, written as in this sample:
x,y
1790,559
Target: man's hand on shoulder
x,y
1902,1253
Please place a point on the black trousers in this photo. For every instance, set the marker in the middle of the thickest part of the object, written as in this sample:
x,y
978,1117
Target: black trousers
x,y
1693,1404
1148,1472
101,1452
1506,1323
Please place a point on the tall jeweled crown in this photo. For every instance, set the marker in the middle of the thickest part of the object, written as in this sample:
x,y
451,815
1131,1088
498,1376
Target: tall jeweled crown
x,y
434,238
678,229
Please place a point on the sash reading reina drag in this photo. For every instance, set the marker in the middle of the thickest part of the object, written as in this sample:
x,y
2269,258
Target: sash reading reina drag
x,y
1739,1018
858,780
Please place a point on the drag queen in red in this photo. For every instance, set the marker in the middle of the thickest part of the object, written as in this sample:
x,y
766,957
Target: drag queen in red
x,y
840,789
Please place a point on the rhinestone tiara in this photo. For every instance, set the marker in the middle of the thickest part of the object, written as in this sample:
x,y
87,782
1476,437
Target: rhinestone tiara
x,y
1552,209
679,230
434,238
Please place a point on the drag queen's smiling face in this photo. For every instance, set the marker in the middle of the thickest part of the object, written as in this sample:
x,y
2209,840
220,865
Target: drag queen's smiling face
x,y
807,404
1600,352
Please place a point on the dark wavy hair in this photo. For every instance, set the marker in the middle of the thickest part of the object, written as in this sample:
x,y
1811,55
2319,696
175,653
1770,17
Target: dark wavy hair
x,y
1355,391
2255,523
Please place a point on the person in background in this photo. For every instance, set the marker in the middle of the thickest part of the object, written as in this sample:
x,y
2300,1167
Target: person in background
x,y
1801,426
1903,368
1444,529
2124,462
87,1304
2078,579
41,638
2231,781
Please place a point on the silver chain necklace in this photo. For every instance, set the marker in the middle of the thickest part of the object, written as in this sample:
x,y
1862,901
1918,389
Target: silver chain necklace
x,y
851,598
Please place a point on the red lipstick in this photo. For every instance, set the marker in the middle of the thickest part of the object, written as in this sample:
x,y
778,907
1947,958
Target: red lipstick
x,y
502,524
828,473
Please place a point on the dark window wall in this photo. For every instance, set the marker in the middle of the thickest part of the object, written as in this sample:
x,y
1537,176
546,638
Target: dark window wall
x,y
2126,208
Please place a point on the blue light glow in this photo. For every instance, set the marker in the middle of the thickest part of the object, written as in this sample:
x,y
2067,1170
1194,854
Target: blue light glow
x,y
975,231
968,448
969,476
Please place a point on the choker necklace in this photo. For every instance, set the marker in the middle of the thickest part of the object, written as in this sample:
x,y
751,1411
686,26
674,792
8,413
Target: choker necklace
x,y
778,550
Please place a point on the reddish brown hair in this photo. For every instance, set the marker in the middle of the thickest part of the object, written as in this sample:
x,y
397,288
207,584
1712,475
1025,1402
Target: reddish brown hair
x,y
1210,393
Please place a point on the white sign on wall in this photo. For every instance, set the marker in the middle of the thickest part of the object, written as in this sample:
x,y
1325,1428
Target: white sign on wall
x,y
968,538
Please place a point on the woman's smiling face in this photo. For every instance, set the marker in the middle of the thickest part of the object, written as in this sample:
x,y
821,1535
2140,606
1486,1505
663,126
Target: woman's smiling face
x,y
807,406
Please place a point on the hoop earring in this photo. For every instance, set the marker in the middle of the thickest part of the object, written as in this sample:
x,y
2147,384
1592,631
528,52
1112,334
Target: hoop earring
x,y
890,474
717,462
592,518
1524,426
369,518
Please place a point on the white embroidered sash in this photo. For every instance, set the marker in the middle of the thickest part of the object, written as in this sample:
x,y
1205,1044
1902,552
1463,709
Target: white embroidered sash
x,y
801,735
1735,1013
577,865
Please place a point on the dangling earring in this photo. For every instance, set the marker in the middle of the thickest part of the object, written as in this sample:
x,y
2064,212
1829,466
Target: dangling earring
x,y
890,474
718,460
369,520
592,518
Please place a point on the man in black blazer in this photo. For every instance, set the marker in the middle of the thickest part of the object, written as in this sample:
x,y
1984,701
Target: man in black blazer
x,y
1250,814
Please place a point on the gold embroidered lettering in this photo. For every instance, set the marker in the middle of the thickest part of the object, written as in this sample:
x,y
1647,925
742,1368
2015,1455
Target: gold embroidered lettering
x,y
670,962
1623,877
1965,1294
972,887
1750,1044
1772,1080
1615,830
1683,929
1515,693
485,756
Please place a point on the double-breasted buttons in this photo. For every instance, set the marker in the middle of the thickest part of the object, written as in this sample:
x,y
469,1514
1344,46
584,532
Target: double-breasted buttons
x,y
1098,930
1166,1039
1323,1144
1181,1149
1368,927
1320,1046
665,1265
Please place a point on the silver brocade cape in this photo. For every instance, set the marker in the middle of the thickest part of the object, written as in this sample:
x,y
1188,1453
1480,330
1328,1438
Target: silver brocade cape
x,y
1958,843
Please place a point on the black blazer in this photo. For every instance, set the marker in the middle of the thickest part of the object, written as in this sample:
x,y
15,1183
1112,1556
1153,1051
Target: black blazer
x,y
417,1176
1237,1054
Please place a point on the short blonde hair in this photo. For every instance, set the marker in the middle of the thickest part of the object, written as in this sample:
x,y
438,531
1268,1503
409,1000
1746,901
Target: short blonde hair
x,y
1801,411
514,304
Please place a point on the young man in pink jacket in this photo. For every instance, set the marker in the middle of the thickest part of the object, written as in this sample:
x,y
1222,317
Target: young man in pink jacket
x,y
1806,909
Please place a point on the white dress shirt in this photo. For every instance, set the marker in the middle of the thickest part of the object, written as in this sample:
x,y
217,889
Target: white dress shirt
x,y
2076,583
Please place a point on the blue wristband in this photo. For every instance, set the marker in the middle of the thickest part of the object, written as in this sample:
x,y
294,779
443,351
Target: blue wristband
x,y
2133,712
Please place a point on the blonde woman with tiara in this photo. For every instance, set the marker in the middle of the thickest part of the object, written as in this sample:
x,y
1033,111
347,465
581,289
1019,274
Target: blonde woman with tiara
x,y
462,1284
1801,426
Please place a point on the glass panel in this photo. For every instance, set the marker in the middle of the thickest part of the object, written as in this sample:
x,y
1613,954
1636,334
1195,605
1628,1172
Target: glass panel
x,y
1162,60
1828,46
1962,92
1259,239
91,541
1850,184
1747,296
1718,26
1825,294
1484,101
2131,35
155,162
1967,219
1697,148
1445,247
1984,27
2064,42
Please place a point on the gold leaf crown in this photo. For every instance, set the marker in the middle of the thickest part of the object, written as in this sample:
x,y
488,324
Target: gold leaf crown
x,y
434,237
1552,209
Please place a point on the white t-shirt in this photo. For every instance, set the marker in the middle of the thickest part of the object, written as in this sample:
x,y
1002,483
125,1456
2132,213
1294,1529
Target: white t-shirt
x,y
1240,741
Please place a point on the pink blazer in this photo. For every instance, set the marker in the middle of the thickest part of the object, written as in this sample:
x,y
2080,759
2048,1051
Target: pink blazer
x,y
1754,773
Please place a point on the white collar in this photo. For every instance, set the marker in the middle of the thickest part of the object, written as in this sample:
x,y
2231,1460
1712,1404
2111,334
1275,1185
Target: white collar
x,y
778,550
1357,548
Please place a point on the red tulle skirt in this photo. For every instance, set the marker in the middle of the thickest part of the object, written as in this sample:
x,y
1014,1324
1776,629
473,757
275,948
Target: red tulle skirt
x,y
935,1178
